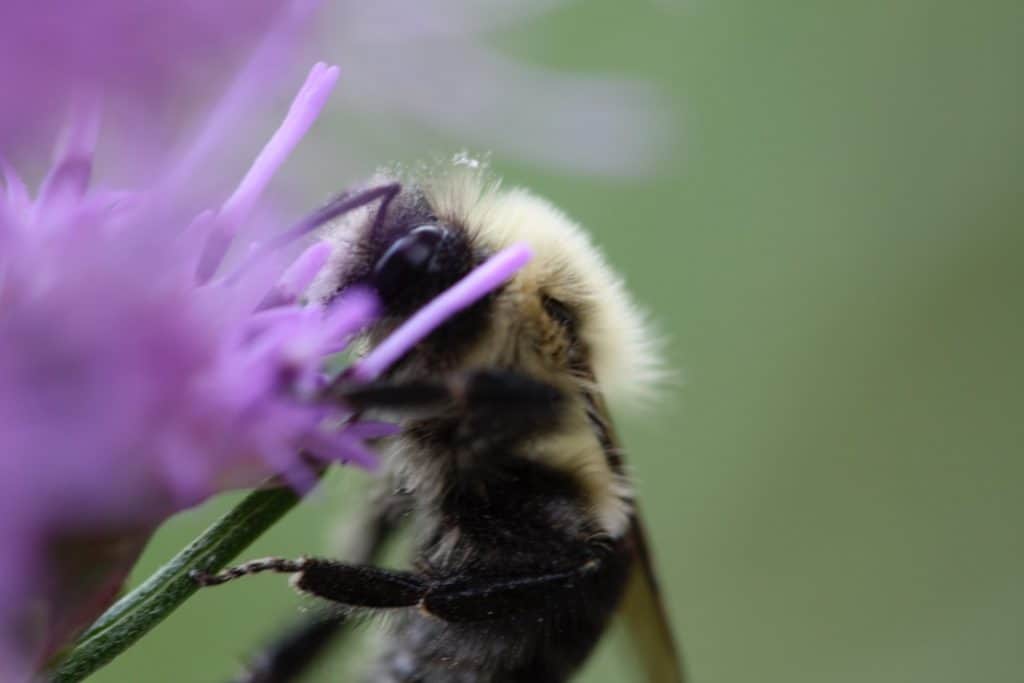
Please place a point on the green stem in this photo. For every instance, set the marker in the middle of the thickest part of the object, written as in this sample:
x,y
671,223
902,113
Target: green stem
x,y
138,612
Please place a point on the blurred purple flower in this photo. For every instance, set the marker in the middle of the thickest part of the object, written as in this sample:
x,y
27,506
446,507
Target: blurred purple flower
x,y
139,375
146,52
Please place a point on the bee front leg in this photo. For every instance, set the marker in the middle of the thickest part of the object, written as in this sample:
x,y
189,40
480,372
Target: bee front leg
x,y
466,599
500,402
457,599
292,651
360,585
349,584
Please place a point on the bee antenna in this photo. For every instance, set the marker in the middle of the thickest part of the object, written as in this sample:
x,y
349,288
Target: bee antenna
x,y
342,204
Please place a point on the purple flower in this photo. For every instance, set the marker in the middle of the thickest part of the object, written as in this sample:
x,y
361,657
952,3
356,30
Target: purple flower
x,y
142,368
144,53
138,373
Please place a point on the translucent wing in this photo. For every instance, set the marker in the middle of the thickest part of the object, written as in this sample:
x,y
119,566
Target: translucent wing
x,y
646,618
643,611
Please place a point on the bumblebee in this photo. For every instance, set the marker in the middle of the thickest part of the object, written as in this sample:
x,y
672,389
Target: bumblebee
x,y
528,536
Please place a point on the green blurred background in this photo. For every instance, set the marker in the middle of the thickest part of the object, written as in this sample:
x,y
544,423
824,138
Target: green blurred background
x,y
834,252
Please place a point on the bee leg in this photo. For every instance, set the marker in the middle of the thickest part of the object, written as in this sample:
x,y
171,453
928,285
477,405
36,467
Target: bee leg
x,y
462,599
360,585
357,585
493,399
457,599
277,565
502,406
424,397
478,599
294,650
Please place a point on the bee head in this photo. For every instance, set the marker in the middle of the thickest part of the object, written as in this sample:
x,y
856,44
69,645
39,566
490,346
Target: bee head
x,y
564,318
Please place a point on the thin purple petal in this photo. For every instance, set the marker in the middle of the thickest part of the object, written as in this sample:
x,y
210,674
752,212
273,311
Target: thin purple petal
x,y
72,168
296,473
298,276
242,93
349,314
304,111
235,211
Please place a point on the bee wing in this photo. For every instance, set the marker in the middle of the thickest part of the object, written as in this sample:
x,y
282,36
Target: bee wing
x,y
645,615
643,611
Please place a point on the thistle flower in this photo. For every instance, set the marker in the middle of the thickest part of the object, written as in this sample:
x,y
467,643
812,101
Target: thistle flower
x,y
129,388
139,374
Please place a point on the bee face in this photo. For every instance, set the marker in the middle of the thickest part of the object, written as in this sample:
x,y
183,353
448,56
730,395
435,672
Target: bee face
x,y
565,317
528,324
408,255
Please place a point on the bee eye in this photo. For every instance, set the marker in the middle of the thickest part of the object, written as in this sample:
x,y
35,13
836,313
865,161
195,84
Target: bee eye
x,y
561,314
409,260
